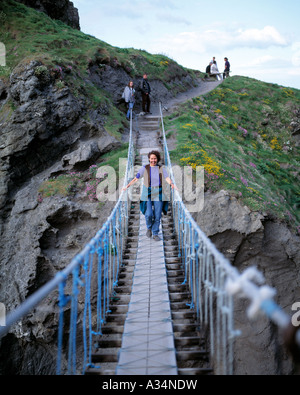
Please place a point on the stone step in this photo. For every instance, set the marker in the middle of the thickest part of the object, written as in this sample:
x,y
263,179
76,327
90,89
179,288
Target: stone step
x,y
123,290
120,318
105,355
186,327
102,371
112,329
110,343
191,341
179,296
182,315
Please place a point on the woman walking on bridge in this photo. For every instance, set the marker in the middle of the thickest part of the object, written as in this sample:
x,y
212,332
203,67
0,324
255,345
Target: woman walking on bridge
x,y
154,198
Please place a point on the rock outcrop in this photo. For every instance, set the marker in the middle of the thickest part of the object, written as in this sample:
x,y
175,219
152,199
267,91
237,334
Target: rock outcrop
x,y
39,240
295,127
250,239
47,123
62,10
43,131
47,130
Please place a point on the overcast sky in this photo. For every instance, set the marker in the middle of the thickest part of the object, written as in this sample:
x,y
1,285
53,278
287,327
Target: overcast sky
x,y
261,38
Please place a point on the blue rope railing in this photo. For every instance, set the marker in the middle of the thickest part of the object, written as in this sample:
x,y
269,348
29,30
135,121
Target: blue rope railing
x,y
85,287
213,281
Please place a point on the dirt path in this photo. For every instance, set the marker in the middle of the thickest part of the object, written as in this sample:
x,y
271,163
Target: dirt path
x,y
201,89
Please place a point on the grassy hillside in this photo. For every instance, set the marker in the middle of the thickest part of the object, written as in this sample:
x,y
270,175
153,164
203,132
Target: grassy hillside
x,y
29,35
241,134
66,57
67,54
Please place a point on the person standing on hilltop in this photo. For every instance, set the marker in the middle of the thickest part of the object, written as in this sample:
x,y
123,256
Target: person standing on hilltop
x,y
146,90
208,68
215,71
227,68
214,60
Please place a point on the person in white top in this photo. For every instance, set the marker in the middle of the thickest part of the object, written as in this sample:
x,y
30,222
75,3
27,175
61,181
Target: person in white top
x,y
215,71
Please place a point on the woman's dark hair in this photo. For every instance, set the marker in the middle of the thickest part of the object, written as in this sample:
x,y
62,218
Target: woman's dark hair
x,y
156,153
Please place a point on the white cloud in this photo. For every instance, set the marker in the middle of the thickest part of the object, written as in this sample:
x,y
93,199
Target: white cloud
x,y
176,20
268,62
215,39
262,60
263,38
258,41
179,43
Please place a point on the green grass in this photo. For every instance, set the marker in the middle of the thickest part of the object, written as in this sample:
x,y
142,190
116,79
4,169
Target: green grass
x,y
62,185
67,54
73,182
29,34
241,134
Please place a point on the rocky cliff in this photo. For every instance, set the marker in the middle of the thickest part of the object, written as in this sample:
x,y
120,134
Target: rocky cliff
x,y
58,114
251,209
62,10
46,129
250,239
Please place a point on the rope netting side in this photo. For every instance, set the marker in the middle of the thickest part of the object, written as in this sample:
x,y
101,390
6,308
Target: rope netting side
x,y
84,288
97,272
213,282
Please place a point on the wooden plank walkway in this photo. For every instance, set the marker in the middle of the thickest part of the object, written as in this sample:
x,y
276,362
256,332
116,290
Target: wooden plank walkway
x,y
148,340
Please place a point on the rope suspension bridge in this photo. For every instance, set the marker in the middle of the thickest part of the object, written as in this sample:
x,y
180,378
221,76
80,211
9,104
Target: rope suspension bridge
x,y
128,305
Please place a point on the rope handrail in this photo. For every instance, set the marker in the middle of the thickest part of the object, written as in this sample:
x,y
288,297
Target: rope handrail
x,y
85,286
213,282
101,257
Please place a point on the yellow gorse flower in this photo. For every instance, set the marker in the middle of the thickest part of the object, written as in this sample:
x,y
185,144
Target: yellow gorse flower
x,y
188,125
205,118
275,145
164,63
288,92
200,157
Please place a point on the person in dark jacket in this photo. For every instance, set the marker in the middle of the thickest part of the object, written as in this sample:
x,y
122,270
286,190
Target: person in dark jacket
x,y
146,90
227,68
208,68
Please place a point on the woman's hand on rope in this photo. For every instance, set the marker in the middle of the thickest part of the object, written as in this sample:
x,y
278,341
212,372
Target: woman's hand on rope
x,y
173,186
129,185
